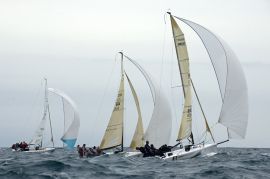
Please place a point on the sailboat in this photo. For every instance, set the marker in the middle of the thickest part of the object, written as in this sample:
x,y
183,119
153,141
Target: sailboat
x,y
36,145
232,86
114,134
161,117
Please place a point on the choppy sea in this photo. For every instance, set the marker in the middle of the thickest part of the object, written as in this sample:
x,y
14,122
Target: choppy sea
x,y
63,163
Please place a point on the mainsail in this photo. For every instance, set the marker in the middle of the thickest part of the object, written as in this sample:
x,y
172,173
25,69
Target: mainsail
x,y
231,79
113,136
158,131
183,64
71,116
137,140
37,139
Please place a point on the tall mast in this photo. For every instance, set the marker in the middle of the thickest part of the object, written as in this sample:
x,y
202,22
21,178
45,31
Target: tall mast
x,y
114,135
48,109
122,78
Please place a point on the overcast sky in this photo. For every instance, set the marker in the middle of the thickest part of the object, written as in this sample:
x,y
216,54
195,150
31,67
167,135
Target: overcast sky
x,y
74,45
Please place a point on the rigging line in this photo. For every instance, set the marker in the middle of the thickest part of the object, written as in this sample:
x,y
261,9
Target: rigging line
x,y
162,59
48,108
146,76
106,89
63,104
34,102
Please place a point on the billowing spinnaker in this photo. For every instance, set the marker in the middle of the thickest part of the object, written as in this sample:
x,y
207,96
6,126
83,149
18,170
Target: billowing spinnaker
x,y
71,117
159,129
231,79
114,133
185,130
137,140
160,125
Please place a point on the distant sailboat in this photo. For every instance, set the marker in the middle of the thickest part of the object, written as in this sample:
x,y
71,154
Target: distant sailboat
x,y
37,143
70,114
232,85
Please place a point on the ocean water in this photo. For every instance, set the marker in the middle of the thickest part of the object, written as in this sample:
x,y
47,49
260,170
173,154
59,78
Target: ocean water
x,y
63,163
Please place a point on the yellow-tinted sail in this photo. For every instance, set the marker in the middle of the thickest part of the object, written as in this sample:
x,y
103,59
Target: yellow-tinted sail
x,y
137,140
114,133
183,64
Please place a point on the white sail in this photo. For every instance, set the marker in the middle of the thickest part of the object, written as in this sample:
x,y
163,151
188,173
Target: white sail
x,y
185,130
159,129
114,133
38,136
137,140
71,117
231,79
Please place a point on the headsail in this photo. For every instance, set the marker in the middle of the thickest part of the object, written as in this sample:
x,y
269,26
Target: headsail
x,y
231,79
183,64
113,136
71,115
158,131
137,140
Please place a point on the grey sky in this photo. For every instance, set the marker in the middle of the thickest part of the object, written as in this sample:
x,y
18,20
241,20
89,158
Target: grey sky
x,y
74,43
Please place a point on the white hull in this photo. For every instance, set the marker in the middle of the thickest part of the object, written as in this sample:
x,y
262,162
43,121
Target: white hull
x,y
49,149
133,154
201,149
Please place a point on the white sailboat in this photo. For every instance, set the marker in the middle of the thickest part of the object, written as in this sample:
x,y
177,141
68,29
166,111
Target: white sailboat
x,y
36,143
71,121
232,85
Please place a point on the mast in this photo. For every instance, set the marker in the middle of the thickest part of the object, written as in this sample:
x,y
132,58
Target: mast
x,y
114,134
48,109
185,131
122,77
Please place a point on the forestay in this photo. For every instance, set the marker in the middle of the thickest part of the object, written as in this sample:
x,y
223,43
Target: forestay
x,y
71,117
231,79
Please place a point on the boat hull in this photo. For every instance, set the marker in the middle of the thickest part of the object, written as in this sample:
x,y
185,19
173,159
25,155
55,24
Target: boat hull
x,y
43,150
201,149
